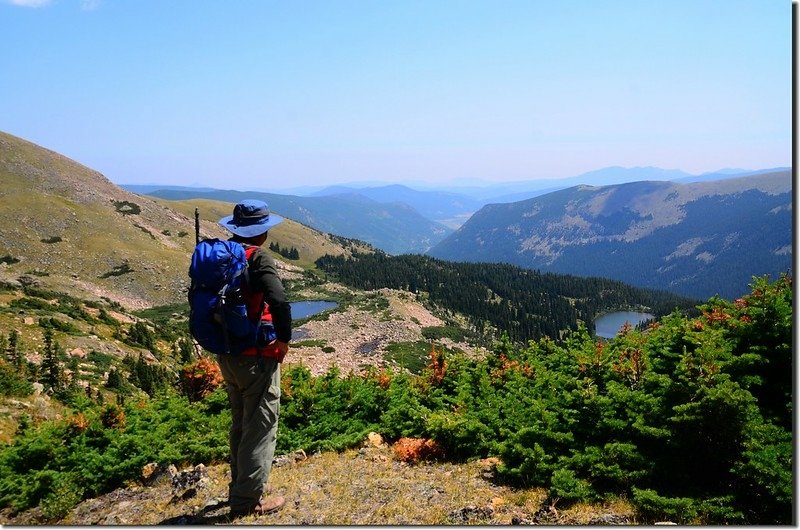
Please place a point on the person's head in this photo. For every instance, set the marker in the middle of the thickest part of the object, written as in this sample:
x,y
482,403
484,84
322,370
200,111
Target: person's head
x,y
250,221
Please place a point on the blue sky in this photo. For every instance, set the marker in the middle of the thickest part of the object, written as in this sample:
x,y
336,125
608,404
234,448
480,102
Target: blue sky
x,y
277,94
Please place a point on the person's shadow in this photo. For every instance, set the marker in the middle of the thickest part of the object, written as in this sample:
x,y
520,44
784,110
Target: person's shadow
x,y
209,515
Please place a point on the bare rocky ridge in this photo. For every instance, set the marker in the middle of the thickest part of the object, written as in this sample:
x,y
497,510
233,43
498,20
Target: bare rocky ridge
x,y
359,338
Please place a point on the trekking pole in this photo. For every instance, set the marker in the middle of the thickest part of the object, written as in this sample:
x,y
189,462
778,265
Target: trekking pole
x,y
196,226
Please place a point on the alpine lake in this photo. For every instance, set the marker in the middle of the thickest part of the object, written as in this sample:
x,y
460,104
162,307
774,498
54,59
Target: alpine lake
x,y
308,308
608,325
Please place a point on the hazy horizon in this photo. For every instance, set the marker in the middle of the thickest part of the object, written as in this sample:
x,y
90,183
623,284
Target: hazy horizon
x,y
281,95
451,185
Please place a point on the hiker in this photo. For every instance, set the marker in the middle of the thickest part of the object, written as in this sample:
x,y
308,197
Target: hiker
x,y
252,378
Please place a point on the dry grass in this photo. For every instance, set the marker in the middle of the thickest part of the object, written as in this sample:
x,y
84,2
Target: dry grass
x,y
369,487
364,486
583,513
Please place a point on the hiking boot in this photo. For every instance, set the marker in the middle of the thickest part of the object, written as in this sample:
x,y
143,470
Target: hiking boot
x,y
265,505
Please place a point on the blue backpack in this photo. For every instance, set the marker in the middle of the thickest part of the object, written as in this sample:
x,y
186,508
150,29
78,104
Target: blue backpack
x,y
217,308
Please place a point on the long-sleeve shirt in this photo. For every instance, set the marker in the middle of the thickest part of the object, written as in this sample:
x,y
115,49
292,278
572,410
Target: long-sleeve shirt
x,y
263,277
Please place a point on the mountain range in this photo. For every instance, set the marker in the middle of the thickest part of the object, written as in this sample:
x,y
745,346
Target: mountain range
x,y
699,239
696,239
448,208
399,219
394,227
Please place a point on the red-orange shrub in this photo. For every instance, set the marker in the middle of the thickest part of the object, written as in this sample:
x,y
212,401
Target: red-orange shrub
x,y
201,378
417,449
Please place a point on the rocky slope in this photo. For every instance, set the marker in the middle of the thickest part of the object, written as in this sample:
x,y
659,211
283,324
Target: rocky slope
x,y
357,337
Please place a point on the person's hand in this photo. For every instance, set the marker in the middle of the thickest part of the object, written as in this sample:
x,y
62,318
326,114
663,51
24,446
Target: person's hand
x,y
282,347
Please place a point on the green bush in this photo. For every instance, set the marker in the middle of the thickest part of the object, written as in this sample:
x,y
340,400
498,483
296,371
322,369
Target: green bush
x,y
60,325
53,302
12,382
139,334
65,493
692,413
691,419
442,332
329,412
568,487
27,302
127,207
118,270
413,356
99,361
654,507
60,463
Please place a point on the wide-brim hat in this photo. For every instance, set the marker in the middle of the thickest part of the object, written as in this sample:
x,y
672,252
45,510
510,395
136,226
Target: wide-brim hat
x,y
250,218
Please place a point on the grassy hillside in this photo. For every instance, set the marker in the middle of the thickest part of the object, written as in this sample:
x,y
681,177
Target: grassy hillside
x,y
68,228
311,244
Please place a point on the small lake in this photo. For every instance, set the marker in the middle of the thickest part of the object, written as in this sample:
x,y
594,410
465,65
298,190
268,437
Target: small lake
x,y
307,308
608,325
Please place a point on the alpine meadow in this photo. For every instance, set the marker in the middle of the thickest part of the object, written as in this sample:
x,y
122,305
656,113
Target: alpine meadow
x,y
398,263
457,369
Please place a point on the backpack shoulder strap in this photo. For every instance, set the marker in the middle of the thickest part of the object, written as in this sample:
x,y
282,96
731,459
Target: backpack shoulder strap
x,y
249,250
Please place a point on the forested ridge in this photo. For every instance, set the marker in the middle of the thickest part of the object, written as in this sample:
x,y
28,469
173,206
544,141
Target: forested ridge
x,y
526,304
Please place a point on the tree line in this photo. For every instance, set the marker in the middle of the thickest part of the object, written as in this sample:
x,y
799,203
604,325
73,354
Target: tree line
x,y
500,298
289,253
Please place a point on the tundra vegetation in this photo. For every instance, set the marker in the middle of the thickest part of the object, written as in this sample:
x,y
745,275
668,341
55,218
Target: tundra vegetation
x,y
689,419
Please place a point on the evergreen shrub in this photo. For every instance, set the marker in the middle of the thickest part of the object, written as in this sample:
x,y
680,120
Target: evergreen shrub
x,y
59,463
690,418
12,382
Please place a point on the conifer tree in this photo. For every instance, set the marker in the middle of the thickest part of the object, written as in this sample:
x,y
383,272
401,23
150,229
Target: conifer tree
x,y
14,350
183,350
114,379
52,371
